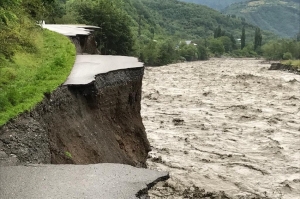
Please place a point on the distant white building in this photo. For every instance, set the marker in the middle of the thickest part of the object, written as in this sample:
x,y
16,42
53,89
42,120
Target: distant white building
x,y
188,42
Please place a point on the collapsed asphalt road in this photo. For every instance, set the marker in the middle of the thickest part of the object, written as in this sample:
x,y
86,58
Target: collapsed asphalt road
x,y
109,181
80,181
86,67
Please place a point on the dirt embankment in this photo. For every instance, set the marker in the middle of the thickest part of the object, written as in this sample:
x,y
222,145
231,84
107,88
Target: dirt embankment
x,y
94,123
85,44
289,68
84,124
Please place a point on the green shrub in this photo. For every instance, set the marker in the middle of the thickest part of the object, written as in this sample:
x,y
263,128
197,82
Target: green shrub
x,y
281,49
294,63
167,53
189,52
216,47
287,56
202,52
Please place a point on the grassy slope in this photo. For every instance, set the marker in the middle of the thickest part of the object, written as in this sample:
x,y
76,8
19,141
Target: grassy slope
x,y
25,80
278,16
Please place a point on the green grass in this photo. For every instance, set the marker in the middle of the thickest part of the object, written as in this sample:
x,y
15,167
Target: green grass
x,y
25,79
294,63
68,154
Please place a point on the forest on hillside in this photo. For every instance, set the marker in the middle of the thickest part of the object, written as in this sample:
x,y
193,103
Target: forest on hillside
x,y
157,32
215,4
278,16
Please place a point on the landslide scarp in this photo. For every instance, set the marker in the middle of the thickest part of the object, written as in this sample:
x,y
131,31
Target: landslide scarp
x,y
83,124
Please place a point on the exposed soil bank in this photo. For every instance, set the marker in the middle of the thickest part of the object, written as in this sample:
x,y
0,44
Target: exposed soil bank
x,y
223,128
94,123
289,68
85,44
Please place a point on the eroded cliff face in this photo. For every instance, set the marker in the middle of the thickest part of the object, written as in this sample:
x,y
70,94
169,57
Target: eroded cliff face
x,y
83,124
85,44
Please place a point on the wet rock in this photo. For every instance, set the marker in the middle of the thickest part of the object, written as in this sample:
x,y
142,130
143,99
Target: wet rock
x,y
177,121
3,155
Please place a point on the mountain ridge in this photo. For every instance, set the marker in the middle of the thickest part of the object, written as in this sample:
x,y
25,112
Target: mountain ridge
x,y
278,16
189,21
215,4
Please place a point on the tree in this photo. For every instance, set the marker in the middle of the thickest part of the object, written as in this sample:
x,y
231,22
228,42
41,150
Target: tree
x,y
35,8
287,56
217,32
54,9
152,31
189,52
202,52
216,47
257,38
243,38
115,36
233,41
166,53
149,54
227,43
281,49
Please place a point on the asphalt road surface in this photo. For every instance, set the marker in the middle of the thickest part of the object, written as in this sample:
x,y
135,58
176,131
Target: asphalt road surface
x,y
103,181
86,67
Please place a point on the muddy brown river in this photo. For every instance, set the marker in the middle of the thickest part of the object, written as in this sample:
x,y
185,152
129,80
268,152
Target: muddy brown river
x,y
223,128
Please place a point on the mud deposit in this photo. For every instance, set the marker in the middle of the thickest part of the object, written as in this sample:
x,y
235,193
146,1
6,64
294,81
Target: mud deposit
x,y
224,128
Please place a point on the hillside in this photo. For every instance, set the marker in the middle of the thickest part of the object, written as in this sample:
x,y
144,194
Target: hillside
x,y
189,21
25,80
32,61
215,4
278,16
153,30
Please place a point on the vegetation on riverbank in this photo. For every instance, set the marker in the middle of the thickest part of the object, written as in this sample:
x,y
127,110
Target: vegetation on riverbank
x,y
283,49
25,80
293,63
33,61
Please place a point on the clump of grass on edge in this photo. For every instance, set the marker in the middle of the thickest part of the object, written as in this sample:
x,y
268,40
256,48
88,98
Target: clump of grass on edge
x,y
68,154
25,79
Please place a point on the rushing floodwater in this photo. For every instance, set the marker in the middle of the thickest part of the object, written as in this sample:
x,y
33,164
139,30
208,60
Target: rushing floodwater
x,y
223,125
